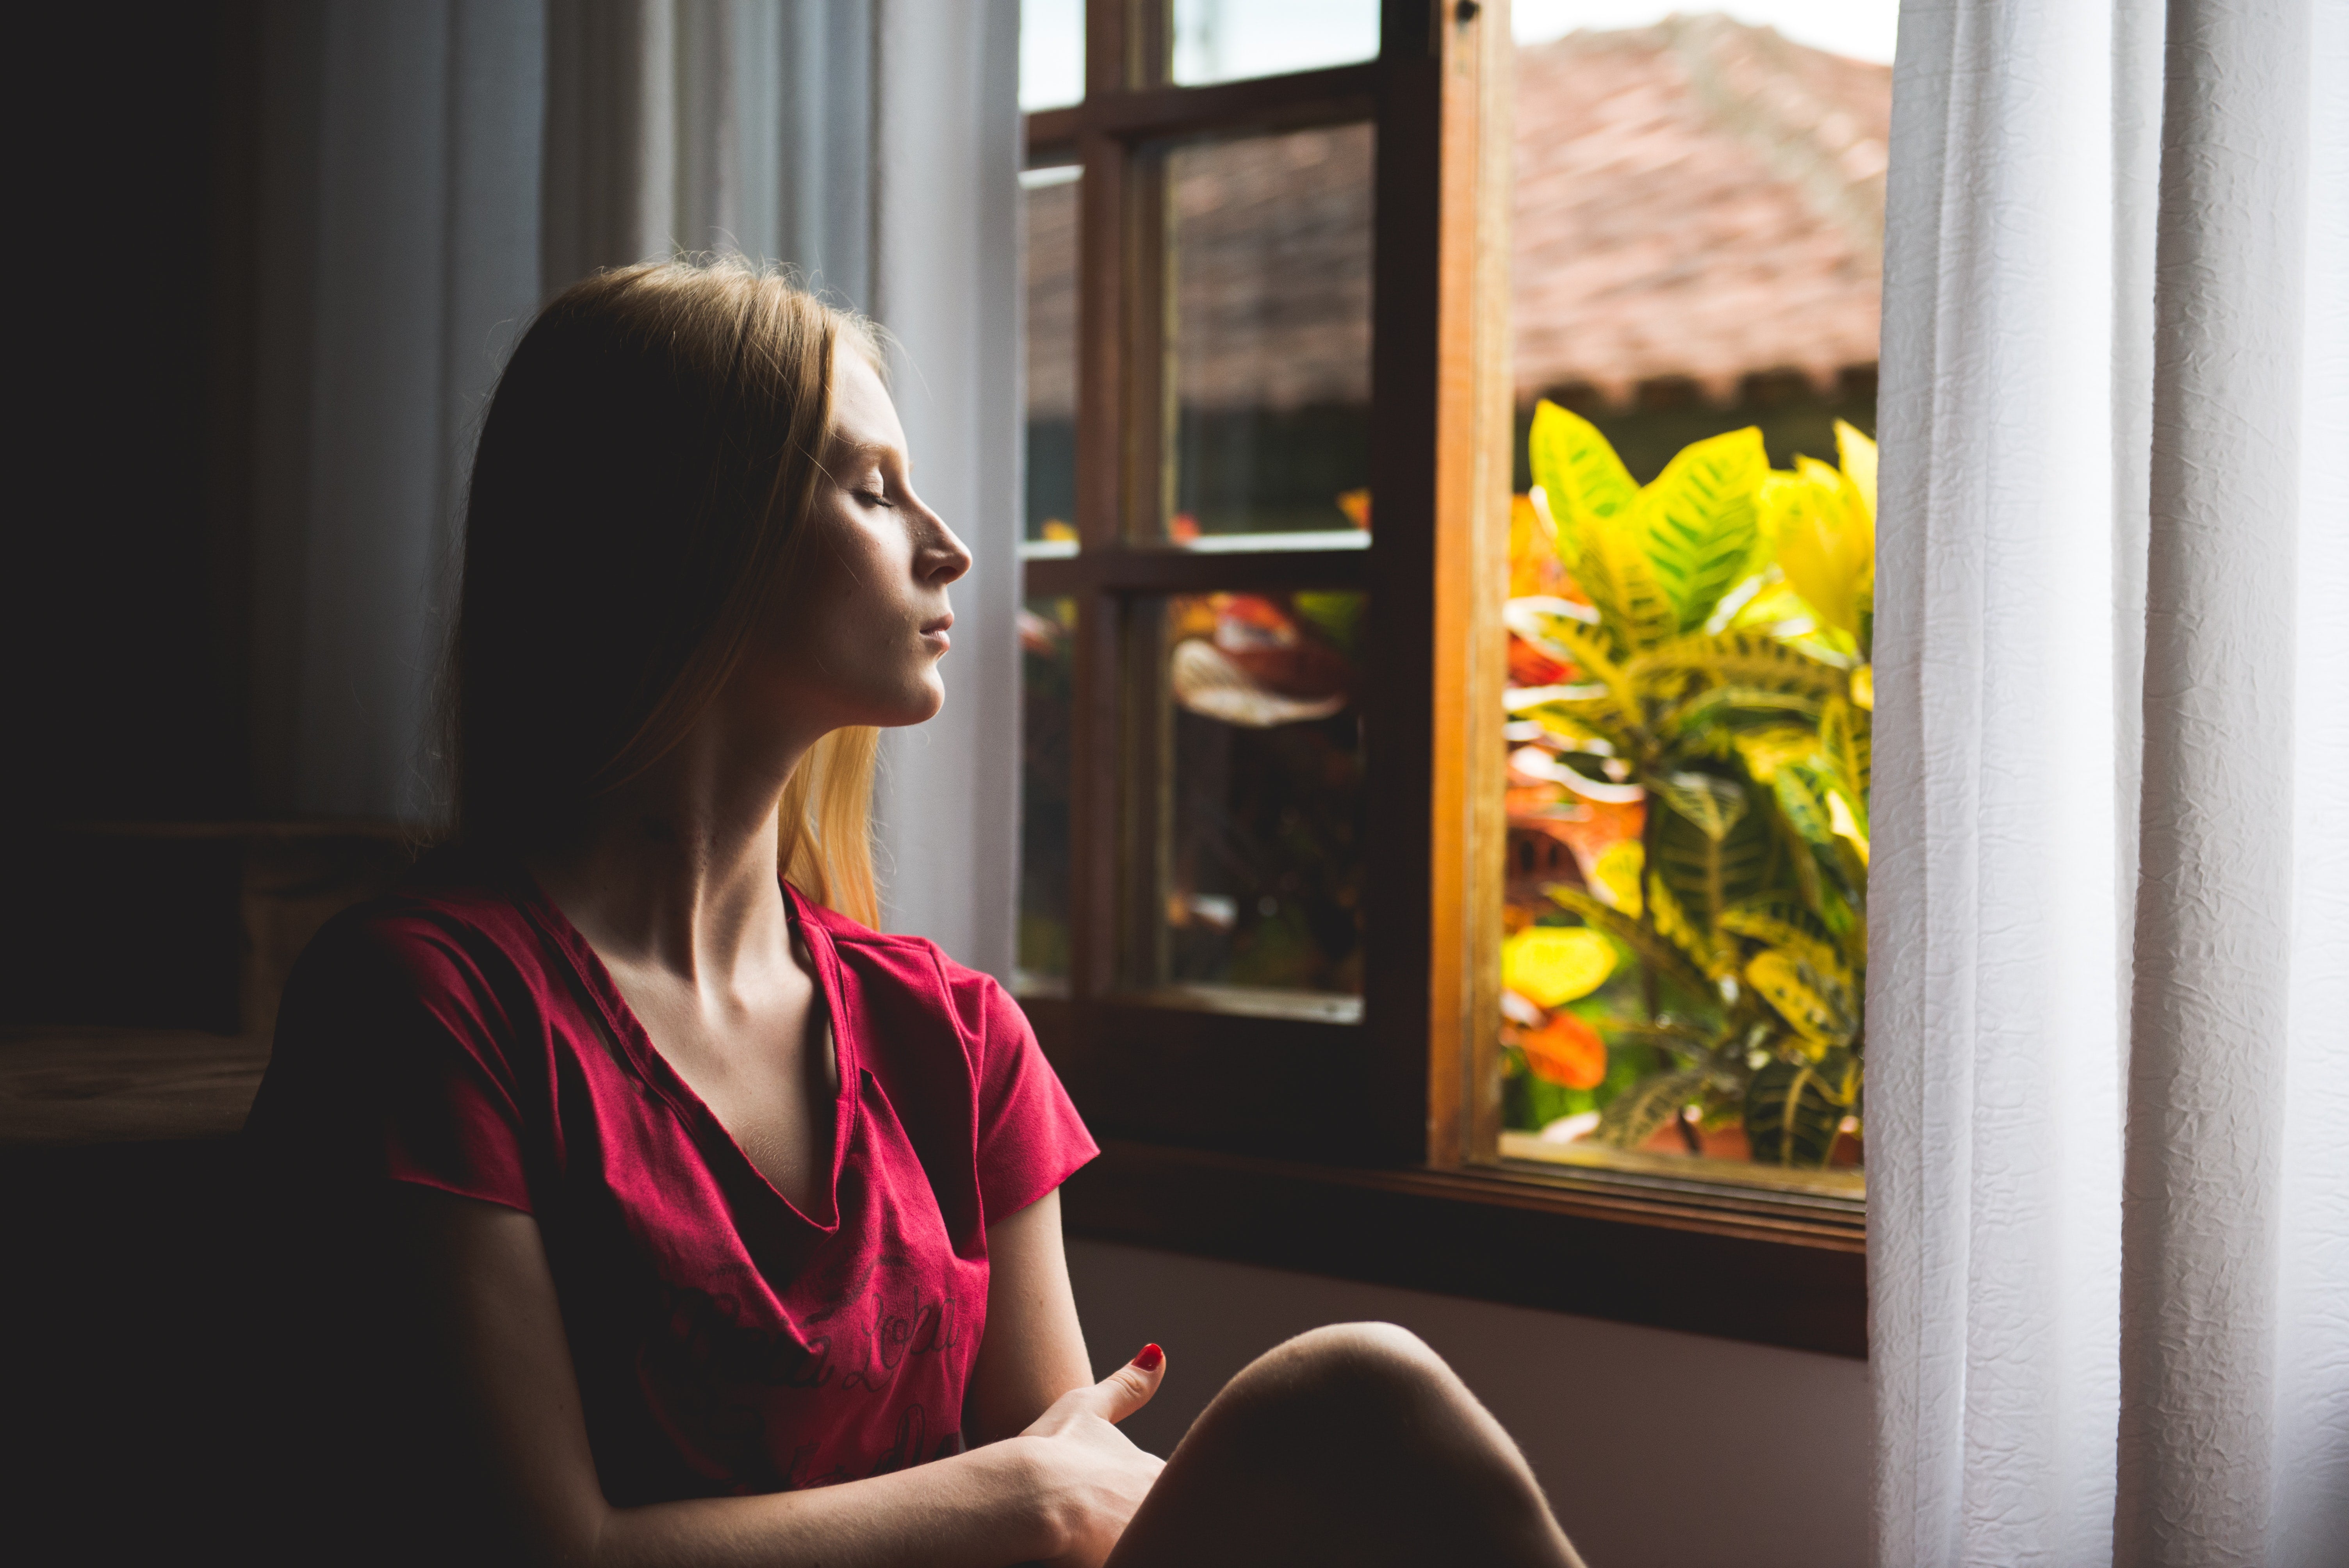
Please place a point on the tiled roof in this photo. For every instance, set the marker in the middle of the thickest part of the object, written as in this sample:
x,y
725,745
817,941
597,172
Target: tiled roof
x,y
1699,198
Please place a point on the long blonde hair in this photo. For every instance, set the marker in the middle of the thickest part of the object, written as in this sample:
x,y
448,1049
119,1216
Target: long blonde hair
x,y
652,449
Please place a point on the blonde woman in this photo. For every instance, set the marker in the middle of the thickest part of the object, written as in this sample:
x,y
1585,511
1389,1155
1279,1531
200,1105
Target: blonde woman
x,y
691,1220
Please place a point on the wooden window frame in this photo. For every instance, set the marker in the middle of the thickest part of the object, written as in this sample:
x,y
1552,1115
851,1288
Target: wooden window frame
x,y
1365,1151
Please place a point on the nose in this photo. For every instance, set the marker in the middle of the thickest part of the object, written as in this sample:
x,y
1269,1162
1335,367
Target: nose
x,y
943,556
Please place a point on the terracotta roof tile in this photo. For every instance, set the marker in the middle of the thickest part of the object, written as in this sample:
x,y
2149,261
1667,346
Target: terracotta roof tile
x,y
1699,198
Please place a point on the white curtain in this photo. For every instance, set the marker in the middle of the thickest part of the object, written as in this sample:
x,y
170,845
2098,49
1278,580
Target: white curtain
x,y
397,239
433,169
947,285
2108,1098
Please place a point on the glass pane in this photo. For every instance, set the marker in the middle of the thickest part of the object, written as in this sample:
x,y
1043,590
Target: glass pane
x,y
1051,199
1259,852
1051,53
1268,349
1225,40
1698,241
1048,635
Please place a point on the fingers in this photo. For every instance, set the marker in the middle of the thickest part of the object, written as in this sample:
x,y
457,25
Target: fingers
x,y
1128,1388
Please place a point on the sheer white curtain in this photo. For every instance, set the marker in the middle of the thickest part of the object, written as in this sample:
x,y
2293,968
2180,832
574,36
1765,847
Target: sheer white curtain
x,y
396,237
2109,1009
432,171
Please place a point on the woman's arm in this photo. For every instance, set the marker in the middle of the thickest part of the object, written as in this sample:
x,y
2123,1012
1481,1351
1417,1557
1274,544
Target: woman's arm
x,y
486,1297
1033,1351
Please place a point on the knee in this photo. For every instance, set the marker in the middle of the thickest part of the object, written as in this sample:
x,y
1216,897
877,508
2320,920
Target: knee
x,y
1364,1352
1361,1376
1359,1406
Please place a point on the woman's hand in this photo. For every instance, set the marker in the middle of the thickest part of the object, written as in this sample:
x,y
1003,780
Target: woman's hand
x,y
1093,1477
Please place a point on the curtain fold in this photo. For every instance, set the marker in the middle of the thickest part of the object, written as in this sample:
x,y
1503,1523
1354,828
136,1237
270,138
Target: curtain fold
x,y
2109,1259
710,125
398,235
947,148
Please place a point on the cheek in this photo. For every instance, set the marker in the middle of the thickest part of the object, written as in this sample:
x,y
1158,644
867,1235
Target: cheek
x,y
854,625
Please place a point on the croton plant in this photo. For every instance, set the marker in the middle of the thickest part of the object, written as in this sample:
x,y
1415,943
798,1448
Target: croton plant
x,y
1688,711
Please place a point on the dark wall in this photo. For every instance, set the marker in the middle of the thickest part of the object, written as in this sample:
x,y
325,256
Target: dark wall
x,y
1667,415
125,597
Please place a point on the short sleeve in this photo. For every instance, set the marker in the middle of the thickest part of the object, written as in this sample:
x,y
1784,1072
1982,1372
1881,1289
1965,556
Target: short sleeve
x,y
390,1045
1030,1139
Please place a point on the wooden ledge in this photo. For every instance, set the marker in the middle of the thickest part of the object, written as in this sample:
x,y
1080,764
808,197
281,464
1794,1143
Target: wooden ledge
x,y
1754,1270
63,1086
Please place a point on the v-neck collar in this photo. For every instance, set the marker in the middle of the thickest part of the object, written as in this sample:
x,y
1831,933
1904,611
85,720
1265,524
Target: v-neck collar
x,y
596,984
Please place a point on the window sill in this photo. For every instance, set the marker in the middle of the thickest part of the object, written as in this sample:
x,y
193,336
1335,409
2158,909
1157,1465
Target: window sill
x,y
1711,1261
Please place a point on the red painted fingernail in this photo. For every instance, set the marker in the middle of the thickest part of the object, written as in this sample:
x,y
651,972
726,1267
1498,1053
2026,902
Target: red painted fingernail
x,y
1149,1357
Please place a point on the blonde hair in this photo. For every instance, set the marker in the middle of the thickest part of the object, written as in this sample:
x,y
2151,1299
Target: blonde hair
x,y
651,451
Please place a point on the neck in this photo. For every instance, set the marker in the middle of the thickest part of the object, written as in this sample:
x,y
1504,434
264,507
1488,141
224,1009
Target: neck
x,y
677,869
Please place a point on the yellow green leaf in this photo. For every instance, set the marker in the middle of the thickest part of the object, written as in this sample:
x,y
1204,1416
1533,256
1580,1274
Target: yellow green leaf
x,y
1550,966
1794,930
1714,956
1580,476
1857,455
1765,751
1697,521
1750,660
1774,604
1845,740
1847,825
1649,943
1816,1006
1713,805
1617,872
1793,1109
1632,604
1804,802
1827,539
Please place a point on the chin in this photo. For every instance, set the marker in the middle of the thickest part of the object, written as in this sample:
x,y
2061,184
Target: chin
x,y
918,706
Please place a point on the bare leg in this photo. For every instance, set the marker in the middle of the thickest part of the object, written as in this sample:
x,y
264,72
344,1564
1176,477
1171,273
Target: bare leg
x,y
1354,1445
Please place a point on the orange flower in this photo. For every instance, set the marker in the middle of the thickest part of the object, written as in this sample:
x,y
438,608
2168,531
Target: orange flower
x,y
1567,1051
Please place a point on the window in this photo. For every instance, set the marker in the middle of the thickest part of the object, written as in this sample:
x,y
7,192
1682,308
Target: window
x,y
1292,816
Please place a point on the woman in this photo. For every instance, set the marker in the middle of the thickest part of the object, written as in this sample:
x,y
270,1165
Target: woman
x,y
721,1228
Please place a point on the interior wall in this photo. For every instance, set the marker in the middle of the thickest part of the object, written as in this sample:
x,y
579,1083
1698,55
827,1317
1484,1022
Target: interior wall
x,y
1658,1450
123,639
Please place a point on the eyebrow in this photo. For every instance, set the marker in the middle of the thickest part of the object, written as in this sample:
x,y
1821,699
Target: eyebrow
x,y
868,449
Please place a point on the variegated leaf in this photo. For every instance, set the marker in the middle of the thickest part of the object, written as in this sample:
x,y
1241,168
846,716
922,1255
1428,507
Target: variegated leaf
x,y
1696,521
1794,1108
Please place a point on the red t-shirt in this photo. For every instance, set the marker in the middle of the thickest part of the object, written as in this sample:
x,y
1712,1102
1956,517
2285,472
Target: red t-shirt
x,y
725,1342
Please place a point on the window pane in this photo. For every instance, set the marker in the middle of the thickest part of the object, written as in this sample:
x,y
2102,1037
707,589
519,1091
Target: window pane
x,y
1051,53
1047,634
1225,40
1698,241
1050,200
1259,844
1268,350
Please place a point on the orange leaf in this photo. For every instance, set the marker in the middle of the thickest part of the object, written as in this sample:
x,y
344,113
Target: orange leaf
x,y
1533,566
1529,667
1567,1051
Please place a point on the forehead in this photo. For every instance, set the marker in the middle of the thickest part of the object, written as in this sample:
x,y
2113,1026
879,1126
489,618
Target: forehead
x,y
862,413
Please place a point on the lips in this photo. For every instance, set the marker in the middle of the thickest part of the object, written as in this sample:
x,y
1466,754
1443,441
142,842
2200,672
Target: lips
x,y
937,631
